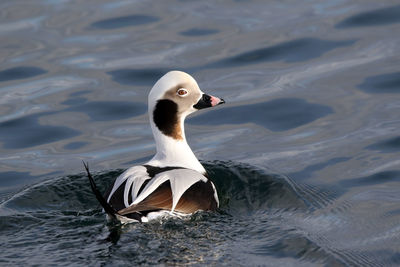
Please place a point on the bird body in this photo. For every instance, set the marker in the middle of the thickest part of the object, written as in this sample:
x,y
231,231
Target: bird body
x,y
173,181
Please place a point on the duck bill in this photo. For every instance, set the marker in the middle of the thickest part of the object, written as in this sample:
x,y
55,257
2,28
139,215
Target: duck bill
x,y
207,101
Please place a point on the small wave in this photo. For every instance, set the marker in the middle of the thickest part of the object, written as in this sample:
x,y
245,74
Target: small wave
x,y
261,218
244,189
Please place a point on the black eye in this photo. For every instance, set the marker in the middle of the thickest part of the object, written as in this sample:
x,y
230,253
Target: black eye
x,y
181,92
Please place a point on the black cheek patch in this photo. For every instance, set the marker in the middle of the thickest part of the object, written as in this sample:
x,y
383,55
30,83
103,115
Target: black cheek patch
x,y
165,116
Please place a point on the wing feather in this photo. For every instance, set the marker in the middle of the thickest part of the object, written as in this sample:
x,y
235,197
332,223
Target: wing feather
x,y
136,175
200,196
180,180
181,190
160,199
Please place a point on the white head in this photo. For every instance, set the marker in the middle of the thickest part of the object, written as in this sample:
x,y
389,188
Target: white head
x,y
172,98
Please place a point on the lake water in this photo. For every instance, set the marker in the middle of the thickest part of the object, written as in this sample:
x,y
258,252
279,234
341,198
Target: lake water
x,y
305,154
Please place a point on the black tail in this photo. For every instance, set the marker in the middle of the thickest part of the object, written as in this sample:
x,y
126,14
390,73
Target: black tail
x,y
107,207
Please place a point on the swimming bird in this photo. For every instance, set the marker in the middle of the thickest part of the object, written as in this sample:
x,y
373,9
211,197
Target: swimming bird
x,y
173,181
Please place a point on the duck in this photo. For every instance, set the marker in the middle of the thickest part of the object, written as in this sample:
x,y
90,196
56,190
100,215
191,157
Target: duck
x,y
174,181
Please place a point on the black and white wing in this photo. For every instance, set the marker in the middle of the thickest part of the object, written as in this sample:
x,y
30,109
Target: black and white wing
x,y
142,189
127,187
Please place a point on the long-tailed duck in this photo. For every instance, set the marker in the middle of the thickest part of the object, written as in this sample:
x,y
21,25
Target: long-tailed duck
x,y
173,181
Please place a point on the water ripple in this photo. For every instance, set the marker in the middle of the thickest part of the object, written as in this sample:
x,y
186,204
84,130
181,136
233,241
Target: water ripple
x,y
33,90
383,83
65,209
13,134
274,114
22,72
297,50
124,21
378,17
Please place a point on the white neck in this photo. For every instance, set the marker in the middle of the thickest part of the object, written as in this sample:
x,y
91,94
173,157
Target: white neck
x,y
173,152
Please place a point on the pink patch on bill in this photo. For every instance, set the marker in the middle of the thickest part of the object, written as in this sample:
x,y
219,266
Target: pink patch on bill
x,y
215,101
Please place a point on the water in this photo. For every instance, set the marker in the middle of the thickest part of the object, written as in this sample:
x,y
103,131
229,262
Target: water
x,y
305,154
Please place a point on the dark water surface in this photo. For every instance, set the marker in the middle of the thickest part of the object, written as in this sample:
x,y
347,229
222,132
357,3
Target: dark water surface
x,y
305,155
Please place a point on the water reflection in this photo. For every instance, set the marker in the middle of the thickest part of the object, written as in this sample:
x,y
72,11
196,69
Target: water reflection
x,y
374,179
107,110
281,114
387,146
378,17
75,145
199,32
383,83
13,178
310,170
124,21
137,76
22,72
27,132
24,24
290,51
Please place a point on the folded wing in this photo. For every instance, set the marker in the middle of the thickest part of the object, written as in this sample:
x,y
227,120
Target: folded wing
x,y
181,190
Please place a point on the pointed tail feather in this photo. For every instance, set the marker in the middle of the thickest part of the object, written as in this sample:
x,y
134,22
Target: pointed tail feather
x,y
107,207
